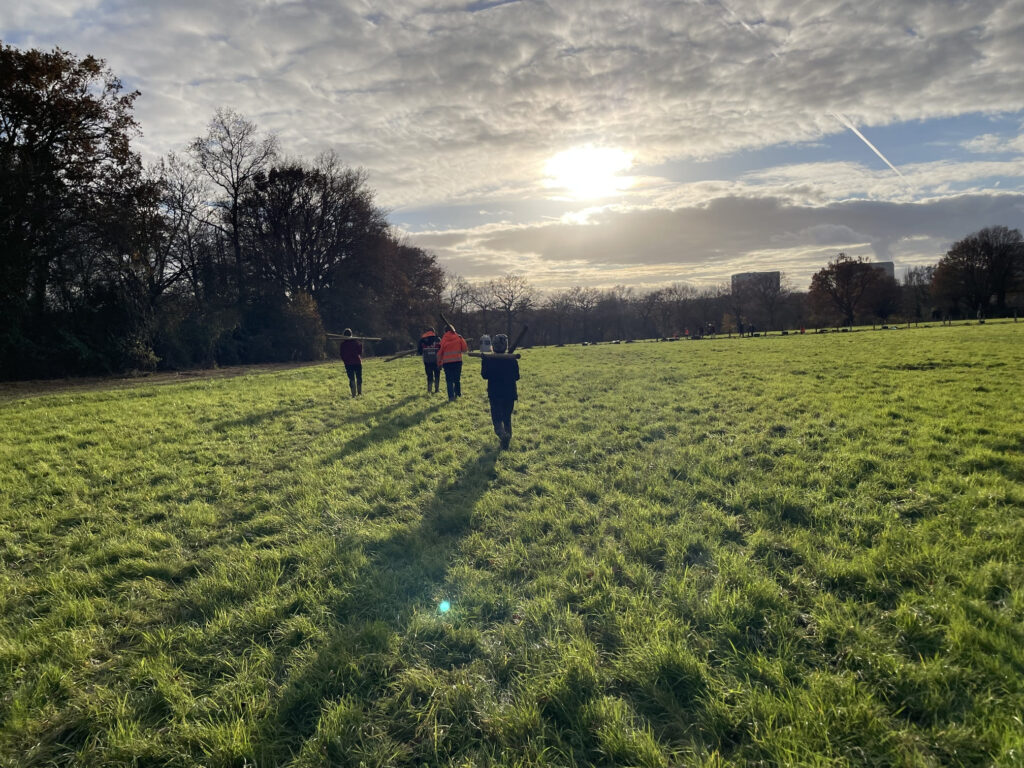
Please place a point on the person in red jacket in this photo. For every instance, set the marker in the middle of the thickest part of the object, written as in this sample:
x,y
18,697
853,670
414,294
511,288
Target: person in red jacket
x,y
449,357
350,356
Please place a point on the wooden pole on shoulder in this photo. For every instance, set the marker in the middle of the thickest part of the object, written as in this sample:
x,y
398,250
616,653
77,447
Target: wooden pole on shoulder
x,y
519,338
342,337
496,355
446,321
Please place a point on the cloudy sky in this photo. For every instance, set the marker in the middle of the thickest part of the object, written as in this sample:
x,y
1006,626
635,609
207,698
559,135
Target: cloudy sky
x,y
603,143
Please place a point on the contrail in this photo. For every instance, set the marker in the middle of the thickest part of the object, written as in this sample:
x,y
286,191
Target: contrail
x,y
843,121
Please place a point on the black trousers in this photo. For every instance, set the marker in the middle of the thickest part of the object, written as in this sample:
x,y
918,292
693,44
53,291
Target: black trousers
x,y
355,373
453,379
501,414
433,374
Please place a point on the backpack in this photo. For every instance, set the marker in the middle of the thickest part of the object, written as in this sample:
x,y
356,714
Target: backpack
x,y
430,353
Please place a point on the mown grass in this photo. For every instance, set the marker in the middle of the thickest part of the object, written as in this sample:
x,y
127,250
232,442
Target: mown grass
x,y
802,550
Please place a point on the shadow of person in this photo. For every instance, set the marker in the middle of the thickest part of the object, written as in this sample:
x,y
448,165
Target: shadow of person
x,y
347,415
401,574
385,430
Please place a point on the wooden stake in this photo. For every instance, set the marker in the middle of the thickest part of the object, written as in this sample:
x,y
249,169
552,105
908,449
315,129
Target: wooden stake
x,y
519,338
338,336
445,321
498,355
404,353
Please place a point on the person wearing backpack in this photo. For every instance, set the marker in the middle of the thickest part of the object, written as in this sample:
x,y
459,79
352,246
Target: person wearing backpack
x,y
449,357
501,374
427,349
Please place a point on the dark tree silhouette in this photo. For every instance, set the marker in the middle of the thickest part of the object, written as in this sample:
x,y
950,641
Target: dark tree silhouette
x,y
981,267
842,289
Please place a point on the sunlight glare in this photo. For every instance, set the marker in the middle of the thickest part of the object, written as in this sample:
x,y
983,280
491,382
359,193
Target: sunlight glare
x,y
588,172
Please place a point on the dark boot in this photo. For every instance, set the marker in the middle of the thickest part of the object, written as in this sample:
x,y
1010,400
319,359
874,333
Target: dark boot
x,y
353,388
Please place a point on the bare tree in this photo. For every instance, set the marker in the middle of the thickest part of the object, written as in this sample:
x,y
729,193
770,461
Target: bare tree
x,y
583,301
767,291
917,292
185,210
456,297
513,295
231,154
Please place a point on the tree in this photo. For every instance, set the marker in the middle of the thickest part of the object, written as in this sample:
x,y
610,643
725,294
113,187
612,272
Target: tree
x,y
456,298
76,217
737,298
916,291
559,306
231,155
304,221
767,291
65,159
582,301
843,287
512,295
982,266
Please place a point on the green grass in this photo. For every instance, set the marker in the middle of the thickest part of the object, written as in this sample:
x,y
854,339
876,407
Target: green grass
x,y
794,550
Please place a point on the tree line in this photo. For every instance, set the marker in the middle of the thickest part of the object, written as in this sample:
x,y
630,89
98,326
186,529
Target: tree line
x,y
981,275
231,252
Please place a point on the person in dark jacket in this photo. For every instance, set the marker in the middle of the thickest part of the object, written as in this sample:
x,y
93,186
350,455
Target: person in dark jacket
x,y
428,348
350,356
501,375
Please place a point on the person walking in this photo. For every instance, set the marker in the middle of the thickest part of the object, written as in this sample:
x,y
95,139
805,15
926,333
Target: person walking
x,y
501,374
351,350
449,357
428,347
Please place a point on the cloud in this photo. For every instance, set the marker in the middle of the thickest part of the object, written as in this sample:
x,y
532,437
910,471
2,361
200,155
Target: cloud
x,y
991,143
463,102
705,244
450,102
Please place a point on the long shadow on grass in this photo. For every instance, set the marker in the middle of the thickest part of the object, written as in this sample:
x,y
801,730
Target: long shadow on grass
x,y
403,573
259,417
385,430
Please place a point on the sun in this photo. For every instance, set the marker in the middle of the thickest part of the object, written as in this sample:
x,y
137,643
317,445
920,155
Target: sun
x,y
588,172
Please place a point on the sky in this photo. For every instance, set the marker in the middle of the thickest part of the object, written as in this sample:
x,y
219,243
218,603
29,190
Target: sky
x,y
604,143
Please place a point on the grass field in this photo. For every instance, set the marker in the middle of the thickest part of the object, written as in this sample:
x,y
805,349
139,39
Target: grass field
x,y
803,550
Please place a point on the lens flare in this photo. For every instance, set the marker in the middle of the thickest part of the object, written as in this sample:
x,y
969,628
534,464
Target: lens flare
x,y
444,607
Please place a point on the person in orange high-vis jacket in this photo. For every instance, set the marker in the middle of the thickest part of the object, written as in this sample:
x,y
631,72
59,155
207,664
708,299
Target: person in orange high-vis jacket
x,y
449,357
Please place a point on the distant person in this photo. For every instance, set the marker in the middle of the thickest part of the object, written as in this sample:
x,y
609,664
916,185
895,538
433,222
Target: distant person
x,y
501,374
350,356
428,347
449,357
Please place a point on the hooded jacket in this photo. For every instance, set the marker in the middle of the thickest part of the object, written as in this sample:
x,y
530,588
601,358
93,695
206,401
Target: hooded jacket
x,y
452,347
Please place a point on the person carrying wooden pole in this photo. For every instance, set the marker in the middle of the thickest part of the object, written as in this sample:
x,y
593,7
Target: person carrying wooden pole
x,y
501,371
428,347
351,351
449,357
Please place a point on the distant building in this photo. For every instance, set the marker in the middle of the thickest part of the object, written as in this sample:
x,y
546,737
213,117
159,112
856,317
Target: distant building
x,y
771,279
886,267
